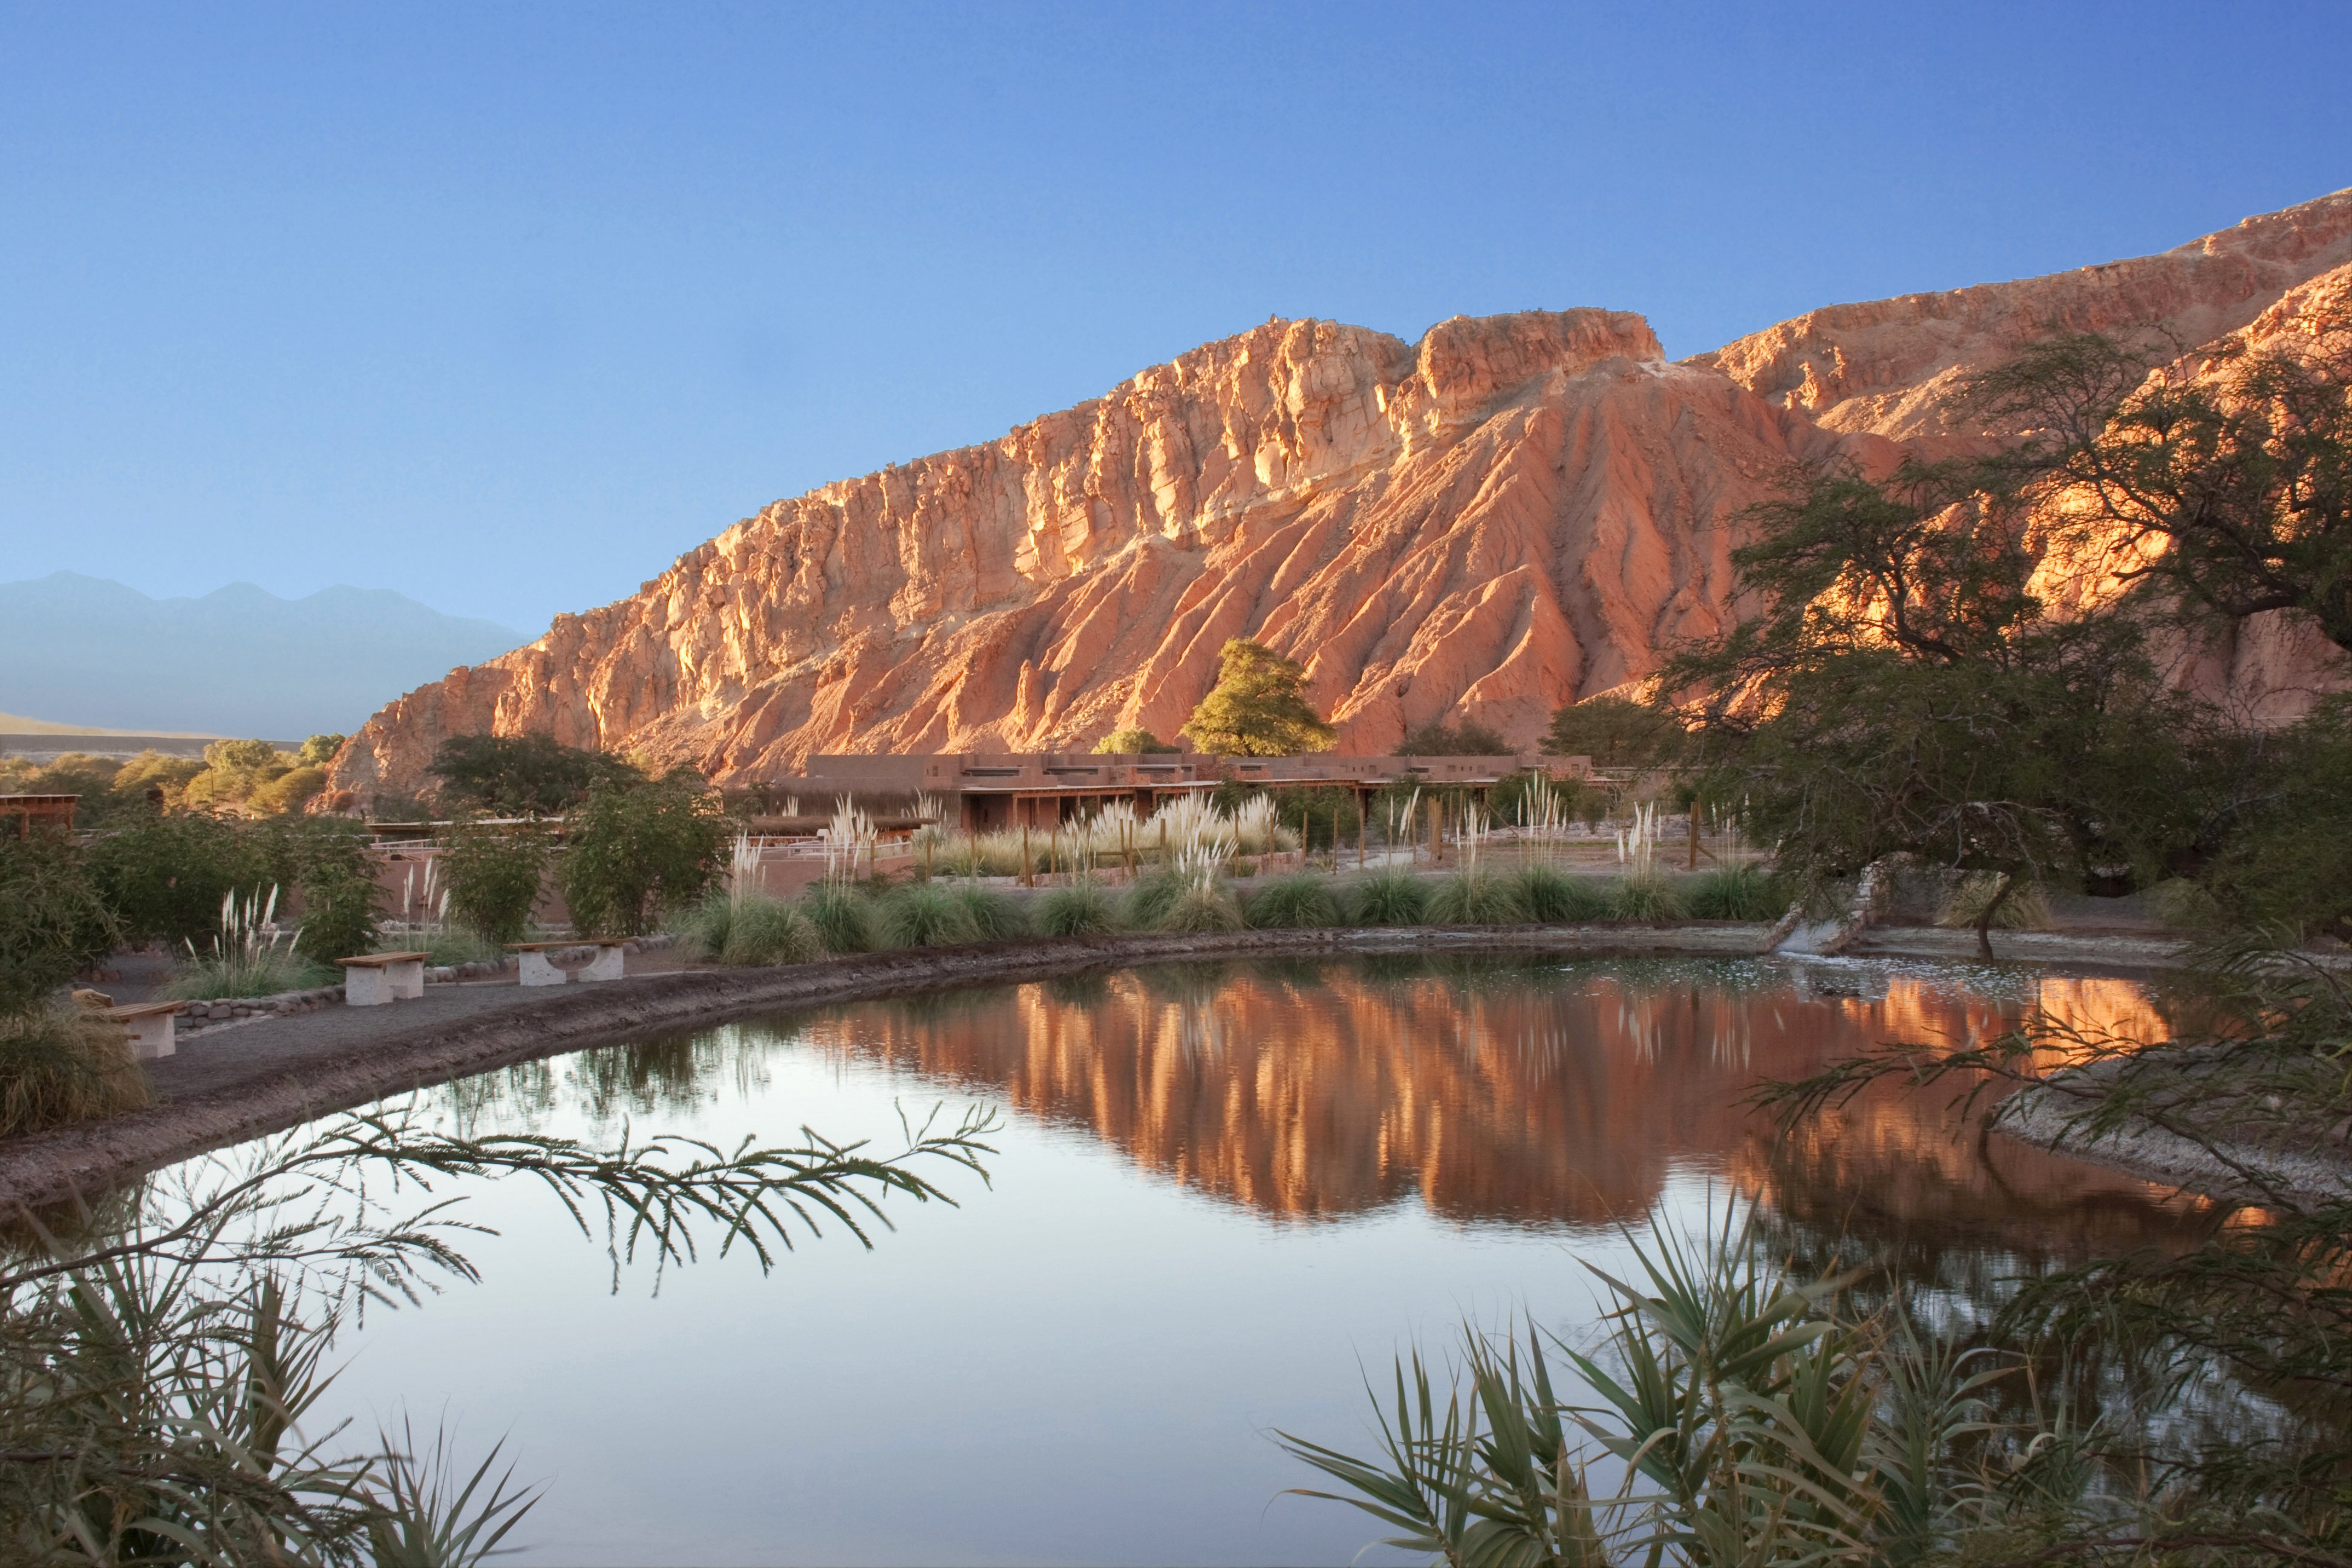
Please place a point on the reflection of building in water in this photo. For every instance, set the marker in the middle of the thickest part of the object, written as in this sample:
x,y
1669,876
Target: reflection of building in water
x,y
1533,1095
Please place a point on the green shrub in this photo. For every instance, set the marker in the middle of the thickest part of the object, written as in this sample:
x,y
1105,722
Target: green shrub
x,y
638,849
1391,897
842,916
1199,909
493,878
1552,897
1147,904
165,875
1651,898
995,916
924,914
1290,902
62,1063
1478,897
53,923
328,861
1080,909
762,931
1736,893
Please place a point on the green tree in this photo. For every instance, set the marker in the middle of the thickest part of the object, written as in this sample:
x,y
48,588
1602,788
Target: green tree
x,y
165,875
1615,732
2232,490
495,878
1904,693
1258,708
520,775
1467,739
632,850
1131,742
53,923
318,751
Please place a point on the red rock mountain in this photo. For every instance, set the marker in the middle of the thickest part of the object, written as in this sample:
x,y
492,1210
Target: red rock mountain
x,y
1512,513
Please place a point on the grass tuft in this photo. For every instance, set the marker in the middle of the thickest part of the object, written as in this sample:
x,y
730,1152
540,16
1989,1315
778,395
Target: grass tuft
x,y
1551,896
997,917
925,914
1736,893
1651,898
1291,903
843,917
1147,904
1391,897
762,932
1477,896
1197,908
1079,909
61,1064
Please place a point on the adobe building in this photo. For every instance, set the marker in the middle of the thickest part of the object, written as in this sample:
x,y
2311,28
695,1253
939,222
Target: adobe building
x,y
980,792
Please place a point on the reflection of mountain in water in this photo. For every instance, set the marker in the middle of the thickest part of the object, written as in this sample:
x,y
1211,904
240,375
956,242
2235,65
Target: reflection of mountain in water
x,y
1512,1093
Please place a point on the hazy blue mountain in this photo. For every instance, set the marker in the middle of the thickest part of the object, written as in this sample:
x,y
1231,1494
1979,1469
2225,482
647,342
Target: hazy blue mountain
x,y
238,661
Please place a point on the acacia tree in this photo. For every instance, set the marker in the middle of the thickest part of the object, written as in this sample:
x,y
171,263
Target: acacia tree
x,y
1905,692
2232,489
1258,708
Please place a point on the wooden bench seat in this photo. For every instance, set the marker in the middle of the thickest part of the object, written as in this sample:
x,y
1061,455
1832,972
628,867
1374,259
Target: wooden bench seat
x,y
610,963
375,978
153,1027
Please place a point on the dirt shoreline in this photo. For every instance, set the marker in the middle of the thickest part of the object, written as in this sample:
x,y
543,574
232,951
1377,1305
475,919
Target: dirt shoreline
x,y
263,1077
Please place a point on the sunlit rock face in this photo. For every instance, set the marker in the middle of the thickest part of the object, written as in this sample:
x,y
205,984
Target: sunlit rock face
x,y
1322,1091
1512,513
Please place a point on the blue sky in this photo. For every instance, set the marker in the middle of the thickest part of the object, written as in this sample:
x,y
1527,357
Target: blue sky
x,y
504,306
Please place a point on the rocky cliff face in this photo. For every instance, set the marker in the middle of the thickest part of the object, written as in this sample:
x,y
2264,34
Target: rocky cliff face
x,y
1514,513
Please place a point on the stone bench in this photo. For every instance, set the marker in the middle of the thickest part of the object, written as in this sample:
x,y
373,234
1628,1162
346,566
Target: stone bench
x,y
153,1027
536,969
381,977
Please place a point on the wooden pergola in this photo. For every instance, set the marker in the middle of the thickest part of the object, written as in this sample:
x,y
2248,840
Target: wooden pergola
x,y
21,814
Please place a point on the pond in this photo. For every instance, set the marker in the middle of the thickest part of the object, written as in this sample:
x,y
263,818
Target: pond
x,y
1222,1196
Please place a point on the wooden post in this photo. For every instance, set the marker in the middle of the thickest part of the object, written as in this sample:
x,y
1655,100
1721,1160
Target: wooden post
x,y
1026,880
1363,831
1436,833
1692,863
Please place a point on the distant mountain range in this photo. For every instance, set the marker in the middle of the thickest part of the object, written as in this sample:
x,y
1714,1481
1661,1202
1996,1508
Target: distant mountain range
x,y
84,651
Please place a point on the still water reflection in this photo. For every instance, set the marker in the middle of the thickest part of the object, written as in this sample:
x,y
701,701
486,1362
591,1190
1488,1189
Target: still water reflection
x,y
1218,1188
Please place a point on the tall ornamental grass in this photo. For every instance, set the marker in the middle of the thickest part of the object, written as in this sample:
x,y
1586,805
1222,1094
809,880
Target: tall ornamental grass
x,y
1082,908
1476,895
62,1063
995,917
841,916
249,956
1553,897
1746,892
924,914
1389,897
1293,902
